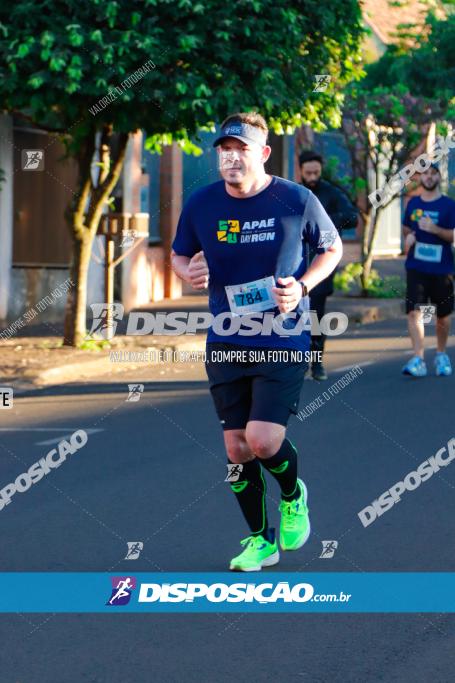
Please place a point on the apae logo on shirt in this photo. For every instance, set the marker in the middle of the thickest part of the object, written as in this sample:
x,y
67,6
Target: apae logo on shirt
x,y
251,231
228,231
417,214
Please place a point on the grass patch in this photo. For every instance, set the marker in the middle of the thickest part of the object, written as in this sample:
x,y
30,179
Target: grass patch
x,y
94,344
348,281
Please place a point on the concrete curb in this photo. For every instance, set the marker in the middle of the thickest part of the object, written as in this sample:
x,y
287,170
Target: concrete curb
x,y
103,365
365,311
358,311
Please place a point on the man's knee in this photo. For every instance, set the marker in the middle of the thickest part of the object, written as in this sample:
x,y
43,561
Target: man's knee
x,y
415,318
264,441
236,447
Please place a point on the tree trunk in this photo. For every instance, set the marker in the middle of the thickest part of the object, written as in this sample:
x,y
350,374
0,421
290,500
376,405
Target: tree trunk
x,y
366,273
84,226
368,248
366,235
76,305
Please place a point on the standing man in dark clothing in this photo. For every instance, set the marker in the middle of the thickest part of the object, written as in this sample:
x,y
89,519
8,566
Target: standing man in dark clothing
x,y
343,215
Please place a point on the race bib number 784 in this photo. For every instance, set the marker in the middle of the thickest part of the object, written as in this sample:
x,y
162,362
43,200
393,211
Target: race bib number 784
x,y
251,297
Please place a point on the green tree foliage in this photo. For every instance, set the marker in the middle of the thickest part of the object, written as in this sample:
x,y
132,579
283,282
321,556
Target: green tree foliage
x,y
381,126
427,70
404,91
209,58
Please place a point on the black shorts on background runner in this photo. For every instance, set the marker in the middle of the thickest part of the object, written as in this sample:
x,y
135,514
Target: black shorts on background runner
x,y
424,288
244,390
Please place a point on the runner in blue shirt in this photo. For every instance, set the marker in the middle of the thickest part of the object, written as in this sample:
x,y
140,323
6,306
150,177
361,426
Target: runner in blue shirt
x,y
245,239
428,226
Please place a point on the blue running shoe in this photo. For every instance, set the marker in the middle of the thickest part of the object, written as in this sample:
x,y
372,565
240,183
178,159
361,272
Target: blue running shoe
x,y
415,367
442,365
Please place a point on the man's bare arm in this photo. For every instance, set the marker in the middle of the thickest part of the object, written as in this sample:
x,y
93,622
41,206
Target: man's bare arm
x,y
289,291
180,265
427,224
193,270
406,231
409,239
445,234
323,264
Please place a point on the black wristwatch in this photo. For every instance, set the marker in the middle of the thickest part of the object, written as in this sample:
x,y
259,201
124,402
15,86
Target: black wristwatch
x,y
304,288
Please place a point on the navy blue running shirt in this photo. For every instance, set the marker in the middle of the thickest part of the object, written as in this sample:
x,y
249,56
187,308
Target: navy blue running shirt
x,y
430,254
252,238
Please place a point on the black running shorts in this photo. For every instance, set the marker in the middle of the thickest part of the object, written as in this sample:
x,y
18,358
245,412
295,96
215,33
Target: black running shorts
x,y
245,387
424,288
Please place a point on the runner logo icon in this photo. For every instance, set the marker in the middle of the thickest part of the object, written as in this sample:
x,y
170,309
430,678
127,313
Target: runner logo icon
x,y
427,313
102,325
134,550
134,392
322,81
328,549
234,472
32,159
122,587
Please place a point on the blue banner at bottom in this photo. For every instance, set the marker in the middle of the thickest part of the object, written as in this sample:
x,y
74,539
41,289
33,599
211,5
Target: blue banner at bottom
x,y
336,593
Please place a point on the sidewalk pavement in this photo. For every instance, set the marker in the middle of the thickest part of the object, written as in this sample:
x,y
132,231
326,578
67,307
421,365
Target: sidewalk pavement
x,y
40,360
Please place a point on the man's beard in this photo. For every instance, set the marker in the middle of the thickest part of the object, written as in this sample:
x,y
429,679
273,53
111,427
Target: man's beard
x,y
430,187
234,183
311,185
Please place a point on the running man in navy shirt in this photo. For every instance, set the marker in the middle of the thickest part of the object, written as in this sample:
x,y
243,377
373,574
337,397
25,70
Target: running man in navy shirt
x,y
245,239
428,226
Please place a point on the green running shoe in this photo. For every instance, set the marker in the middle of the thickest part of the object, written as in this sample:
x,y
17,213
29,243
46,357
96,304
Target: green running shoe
x,y
258,553
295,522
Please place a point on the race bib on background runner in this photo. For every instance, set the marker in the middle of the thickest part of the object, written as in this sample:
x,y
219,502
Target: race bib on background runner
x,y
251,297
428,252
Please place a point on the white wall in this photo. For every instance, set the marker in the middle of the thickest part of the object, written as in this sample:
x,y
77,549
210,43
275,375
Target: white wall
x,y
95,278
142,269
388,239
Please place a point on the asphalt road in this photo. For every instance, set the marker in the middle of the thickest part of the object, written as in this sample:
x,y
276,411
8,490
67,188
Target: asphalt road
x,y
153,471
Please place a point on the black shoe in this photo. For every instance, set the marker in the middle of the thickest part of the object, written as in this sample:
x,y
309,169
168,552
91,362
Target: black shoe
x,y
318,372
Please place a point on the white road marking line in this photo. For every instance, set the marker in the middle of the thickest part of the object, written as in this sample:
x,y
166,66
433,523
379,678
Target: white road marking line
x,y
354,365
67,431
35,429
57,439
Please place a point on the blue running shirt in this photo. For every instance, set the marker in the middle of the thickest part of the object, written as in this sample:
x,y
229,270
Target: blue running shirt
x,y
247,239
430,254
